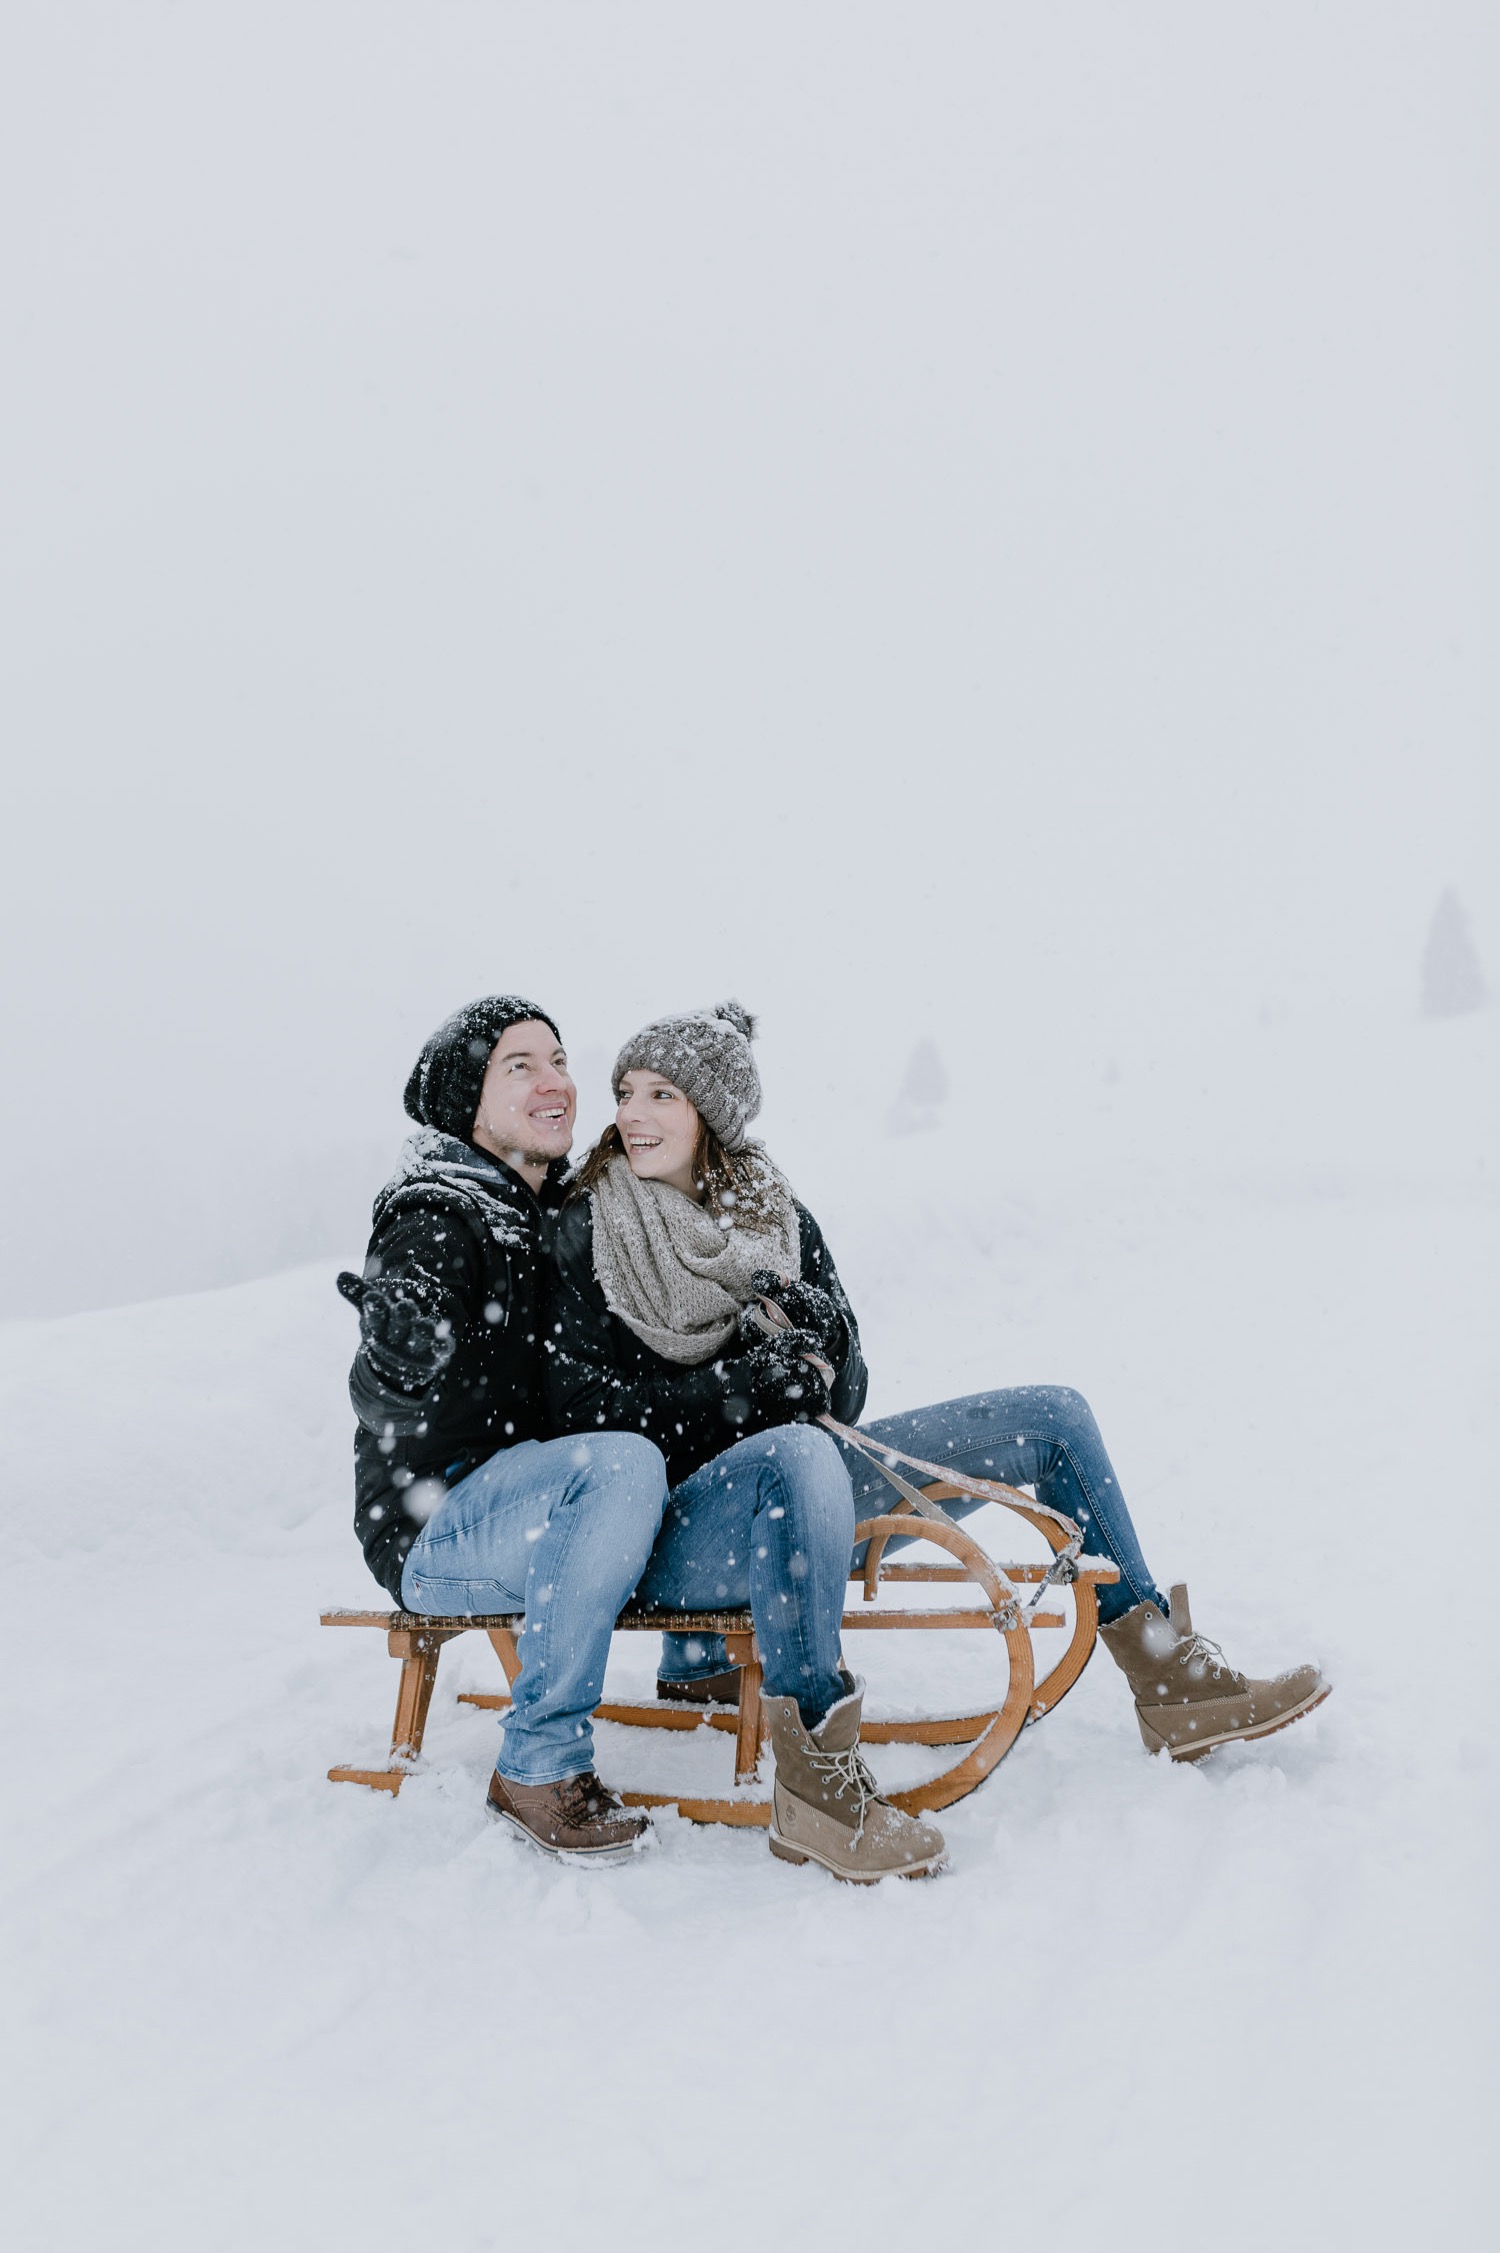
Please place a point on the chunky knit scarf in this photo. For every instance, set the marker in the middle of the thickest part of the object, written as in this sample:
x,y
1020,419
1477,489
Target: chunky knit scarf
x,y
673,1273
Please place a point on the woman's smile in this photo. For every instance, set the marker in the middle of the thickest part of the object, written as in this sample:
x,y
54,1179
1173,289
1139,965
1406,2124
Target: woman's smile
x,y
659,1128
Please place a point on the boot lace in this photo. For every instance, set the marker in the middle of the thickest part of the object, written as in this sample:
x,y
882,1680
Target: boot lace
x,y
847,1772
1207,1654
585,1799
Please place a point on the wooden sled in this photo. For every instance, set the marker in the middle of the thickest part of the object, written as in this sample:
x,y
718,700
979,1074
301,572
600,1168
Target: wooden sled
x,y
984,1736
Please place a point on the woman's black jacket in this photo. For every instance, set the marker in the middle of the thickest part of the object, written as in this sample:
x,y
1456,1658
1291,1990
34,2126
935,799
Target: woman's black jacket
x,y
600,1376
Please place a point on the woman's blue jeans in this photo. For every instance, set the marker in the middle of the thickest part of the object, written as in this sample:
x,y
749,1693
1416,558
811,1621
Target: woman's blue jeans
x,y
561,1530
769,1523
1041,1436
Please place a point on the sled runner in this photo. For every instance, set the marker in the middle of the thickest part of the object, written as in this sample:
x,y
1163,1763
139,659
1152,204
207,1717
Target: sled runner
x,y
996,1607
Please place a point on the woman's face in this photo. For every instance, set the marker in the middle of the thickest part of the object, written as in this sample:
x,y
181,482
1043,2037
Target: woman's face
x,y
659,1128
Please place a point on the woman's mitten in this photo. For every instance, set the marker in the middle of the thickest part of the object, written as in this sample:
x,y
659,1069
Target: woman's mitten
x,y
808,1308
785,1386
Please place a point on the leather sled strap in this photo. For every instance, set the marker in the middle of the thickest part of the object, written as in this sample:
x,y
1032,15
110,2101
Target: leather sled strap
x,y
772,1317
884,1457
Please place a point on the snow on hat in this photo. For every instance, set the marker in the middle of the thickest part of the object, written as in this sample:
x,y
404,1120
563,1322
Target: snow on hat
x,y
443,1090
707,1054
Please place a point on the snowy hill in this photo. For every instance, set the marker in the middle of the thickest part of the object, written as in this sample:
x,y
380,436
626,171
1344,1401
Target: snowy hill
x,y
272,2009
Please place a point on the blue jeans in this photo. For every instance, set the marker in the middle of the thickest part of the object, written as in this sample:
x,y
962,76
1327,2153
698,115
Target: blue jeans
x,y
770,1522
1042,1436
559,1529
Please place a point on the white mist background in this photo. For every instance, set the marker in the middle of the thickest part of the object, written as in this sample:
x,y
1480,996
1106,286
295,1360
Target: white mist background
x,y
973,528
973,524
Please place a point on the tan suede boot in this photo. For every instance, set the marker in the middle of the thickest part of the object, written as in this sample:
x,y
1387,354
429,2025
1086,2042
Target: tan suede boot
x,y
825,1807
1188,1698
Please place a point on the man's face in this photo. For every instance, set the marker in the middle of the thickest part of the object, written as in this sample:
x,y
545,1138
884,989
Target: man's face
x,y
527,1103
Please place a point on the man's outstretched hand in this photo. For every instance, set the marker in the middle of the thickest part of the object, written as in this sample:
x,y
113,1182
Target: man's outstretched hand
x,y
407,1338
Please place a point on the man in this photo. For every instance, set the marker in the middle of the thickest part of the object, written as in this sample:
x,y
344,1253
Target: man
x,y
462,1502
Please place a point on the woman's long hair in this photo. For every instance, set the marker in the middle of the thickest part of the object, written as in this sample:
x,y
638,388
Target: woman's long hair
x,y
732,1181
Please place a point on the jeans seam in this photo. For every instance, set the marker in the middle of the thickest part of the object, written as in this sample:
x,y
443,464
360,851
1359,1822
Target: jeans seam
x,y
785,1578
568,1533
785,1487
1093,1500
532,1627
557,1564
782,1487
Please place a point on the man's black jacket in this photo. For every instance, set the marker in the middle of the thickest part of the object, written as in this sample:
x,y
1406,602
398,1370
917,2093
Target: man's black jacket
x,y
599,1374
471,1235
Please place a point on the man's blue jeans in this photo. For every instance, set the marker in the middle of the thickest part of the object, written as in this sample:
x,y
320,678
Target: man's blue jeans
x,y
769,1523
1041,1436
561,1530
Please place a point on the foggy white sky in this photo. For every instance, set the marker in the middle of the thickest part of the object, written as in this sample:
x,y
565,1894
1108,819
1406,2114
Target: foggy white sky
x,y
972,521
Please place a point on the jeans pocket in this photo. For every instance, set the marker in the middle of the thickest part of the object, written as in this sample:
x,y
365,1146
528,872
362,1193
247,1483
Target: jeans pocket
x,y
437,1594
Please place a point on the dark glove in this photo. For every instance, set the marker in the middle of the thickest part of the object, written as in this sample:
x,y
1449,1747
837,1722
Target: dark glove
x,y
406,1336
784,1386
808,1308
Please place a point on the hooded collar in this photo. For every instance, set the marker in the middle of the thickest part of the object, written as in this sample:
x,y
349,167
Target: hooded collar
x,y
431,1160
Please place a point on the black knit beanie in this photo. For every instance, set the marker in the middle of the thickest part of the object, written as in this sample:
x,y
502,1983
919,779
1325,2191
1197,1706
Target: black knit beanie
x,y
443,1090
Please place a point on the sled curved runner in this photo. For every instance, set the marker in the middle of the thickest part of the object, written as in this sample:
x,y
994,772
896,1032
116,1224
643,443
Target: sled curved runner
x,y
984,1736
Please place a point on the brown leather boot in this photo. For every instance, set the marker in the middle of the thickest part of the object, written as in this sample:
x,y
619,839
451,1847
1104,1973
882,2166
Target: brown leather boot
x,y
709,1689
825,1806
1188,1698
578,1820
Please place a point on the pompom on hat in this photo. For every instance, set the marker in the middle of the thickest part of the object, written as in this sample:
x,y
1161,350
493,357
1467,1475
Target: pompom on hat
x,y
707,1054
443,1090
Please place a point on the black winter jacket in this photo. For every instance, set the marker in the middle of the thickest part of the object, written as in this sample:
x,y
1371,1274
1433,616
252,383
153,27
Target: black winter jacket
x,y
471,1231
599,1374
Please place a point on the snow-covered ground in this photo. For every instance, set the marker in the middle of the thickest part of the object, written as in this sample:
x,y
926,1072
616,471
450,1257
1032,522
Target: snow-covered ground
x,y
1243,2004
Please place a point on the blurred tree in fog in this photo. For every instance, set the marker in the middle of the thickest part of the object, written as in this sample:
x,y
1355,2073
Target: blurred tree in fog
x,y
1452,981
922,1093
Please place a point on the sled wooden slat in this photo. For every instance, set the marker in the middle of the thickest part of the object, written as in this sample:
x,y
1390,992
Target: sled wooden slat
x,y
458,1623
374,1779
946,1617
943,1729
648,1714
417,1640
1030,1572
742,1813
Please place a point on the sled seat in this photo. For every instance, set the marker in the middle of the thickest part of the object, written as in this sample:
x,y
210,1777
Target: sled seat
x,y
417,1640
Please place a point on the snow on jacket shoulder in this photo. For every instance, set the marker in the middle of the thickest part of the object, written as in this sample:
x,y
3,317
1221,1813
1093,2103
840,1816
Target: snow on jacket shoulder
x,y
470,1234
600,1376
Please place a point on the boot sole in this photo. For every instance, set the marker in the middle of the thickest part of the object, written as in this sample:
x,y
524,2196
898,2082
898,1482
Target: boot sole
x,y
666,1696
569,1853
785,1853
1247,1736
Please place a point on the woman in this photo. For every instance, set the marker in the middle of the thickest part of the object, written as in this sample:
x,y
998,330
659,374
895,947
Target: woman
x,y
688,1086
678,1228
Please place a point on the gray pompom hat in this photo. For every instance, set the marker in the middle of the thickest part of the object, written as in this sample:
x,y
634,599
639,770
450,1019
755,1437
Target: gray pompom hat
x,y
707,1054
